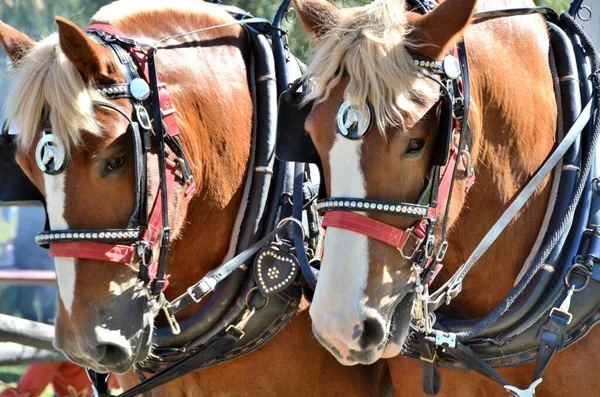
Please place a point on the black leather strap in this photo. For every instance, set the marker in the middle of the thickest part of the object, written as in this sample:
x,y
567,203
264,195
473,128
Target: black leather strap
x,y
431,375
552,338
203,287
99,383
464,354
193,362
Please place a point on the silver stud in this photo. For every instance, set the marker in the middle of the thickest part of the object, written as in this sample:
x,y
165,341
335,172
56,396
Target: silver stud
x,y
88,235
386,207
94,235
120,234
380,206
402,208
373,206
63,235
359,205
101,235
416,62
347,203
353,204
422,63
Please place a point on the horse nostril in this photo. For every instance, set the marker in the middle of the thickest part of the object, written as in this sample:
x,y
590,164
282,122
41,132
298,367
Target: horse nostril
x,y
110,354
373,333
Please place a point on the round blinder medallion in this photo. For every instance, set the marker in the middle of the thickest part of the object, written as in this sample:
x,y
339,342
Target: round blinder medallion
x,y
50,156
139,89
351,123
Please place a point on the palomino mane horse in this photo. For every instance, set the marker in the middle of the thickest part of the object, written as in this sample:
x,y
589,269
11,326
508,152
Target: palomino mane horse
x,y
391,82
113,132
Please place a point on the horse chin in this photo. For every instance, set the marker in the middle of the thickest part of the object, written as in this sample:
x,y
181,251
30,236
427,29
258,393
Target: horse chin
x,y
399,326
140,343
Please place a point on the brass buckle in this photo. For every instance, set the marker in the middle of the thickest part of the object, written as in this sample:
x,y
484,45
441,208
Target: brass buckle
x,y
415,248
432,360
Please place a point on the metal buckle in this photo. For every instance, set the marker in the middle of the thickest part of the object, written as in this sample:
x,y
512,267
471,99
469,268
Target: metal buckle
x,y
205,288
454,289
568,315
432,360
445,339
415,248
442,251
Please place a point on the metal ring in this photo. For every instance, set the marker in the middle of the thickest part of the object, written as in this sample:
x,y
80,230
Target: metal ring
x,y
246,300
296,221
568,276
589,13
288,12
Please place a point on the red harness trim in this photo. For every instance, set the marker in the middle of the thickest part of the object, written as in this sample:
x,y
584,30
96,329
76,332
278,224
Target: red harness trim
x,y
95,251
373,228
388,234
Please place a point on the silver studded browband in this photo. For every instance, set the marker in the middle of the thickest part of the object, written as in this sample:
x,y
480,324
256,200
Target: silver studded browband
x,y
344,204
58,236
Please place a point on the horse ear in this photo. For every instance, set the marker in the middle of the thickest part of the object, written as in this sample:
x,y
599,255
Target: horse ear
x,y
15,43
436,32
89,57
317,16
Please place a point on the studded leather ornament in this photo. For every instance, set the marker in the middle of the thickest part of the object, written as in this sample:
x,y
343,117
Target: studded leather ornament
x,y
275,269
351,123
50,156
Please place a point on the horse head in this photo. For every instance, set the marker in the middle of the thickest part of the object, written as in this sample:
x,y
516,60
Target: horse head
x,y
74,109
374,123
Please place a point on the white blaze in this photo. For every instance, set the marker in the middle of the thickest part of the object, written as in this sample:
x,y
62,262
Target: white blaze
x,y
65,267
338,299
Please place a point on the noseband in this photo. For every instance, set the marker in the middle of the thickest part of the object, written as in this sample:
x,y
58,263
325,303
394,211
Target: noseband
x,y
138,240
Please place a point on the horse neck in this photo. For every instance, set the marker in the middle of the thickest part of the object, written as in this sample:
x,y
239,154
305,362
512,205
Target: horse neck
x,y
514,124
209,87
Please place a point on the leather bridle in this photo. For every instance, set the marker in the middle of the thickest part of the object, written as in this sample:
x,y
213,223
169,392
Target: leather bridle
x,y
417,243
137,240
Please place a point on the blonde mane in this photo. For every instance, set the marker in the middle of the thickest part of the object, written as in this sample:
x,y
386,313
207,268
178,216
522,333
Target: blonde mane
x,y
46,79
368,47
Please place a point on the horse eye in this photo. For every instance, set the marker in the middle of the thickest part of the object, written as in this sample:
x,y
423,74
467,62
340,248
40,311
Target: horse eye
x,y
414,146
113,164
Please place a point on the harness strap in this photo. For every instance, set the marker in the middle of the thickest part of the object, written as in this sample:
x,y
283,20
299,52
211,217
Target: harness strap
x,y
453,287
189,364
431,375
552,338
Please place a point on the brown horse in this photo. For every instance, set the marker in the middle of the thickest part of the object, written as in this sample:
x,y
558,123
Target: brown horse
x,y
363,302
104,321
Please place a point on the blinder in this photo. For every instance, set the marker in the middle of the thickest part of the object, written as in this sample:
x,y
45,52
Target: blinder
x,y
443,140
293,141
15,186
